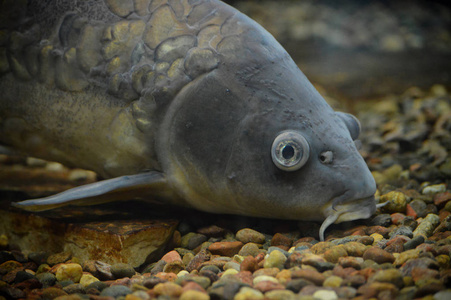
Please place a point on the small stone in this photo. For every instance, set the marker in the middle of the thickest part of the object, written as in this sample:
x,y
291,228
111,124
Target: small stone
x,y
321,247
266,286
212,231
115,291
442,295
98,285
351,262
173,267
52,293
296,285
434,189
168,289
405,256
281,240
249,264
276,259
22,276
267,271
187,258
264,278
86,279
393,276
397,202
380,290
413,243
378,255
194,295
225,248
192,240
381,220
280,295
427,226
247,293
325,295
333,281
229,272
332,255
171,256
401,230
232,265
38,257
9,266
251,249
58,258
355,248
197,261
442,198
69,271
102,271
409,222
310,275
248,235
121,270
396,218
377,238
74,288
46,279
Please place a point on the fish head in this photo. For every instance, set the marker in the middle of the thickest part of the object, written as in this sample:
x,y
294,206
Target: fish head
x,y
254,137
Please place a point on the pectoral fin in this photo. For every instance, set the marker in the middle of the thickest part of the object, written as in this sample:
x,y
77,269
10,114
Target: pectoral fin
x,y
115,189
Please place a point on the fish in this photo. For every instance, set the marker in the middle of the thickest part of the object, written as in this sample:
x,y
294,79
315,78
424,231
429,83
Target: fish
x,y
189,102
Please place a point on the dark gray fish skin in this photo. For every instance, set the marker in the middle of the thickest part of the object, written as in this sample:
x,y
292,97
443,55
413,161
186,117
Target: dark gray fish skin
x,y
193,93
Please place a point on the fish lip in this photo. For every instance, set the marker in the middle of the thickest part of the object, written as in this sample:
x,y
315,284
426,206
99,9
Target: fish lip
x,y
351,207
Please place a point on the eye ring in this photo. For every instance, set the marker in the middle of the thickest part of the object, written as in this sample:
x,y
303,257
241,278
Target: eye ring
x,y
290,151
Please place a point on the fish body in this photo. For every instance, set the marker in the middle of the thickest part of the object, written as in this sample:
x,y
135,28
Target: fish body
x,y
189,100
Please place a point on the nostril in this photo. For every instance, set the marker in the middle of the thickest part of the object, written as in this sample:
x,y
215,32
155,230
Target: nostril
x,y
326,157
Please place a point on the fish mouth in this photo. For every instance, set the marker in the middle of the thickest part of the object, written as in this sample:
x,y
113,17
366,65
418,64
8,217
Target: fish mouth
x,y
343,209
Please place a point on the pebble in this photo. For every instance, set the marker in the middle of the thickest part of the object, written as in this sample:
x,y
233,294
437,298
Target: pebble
x,y
58,258
115,291
378,255
194,295
251,249
427,226
280,295
168,289
225,248
405,256
281,240
393,276
414,242
401,230
382,220
248,235
247,293
69,271
276,259
333,281
434,189
86,279
397,202
418,207
121,270
325,295
333,254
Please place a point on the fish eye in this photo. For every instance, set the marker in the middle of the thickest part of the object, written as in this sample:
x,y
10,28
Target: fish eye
x,y
326,157
290,151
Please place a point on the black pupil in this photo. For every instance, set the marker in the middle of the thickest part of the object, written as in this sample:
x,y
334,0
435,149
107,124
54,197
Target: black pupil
x,y
288,152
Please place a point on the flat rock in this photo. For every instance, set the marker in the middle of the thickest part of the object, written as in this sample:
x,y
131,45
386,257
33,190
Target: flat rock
x,y
131,242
